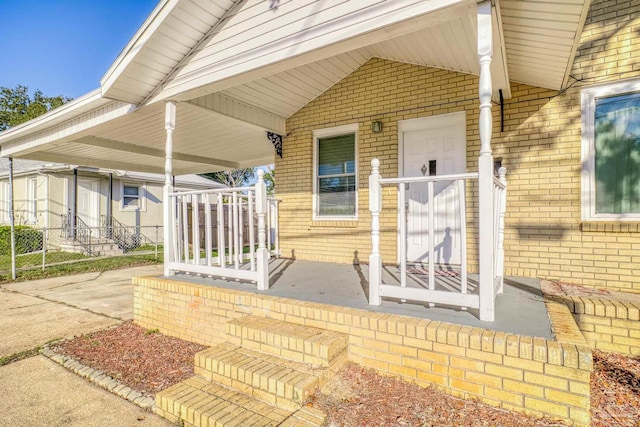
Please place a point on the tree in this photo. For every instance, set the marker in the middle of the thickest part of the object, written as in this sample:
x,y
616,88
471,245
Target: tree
x,y
232,178
17,106
270,180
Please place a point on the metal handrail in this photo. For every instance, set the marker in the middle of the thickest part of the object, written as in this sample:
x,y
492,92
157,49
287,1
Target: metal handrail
x,y
83,234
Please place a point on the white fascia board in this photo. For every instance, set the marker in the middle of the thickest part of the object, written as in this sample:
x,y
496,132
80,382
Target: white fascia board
x,y
37,171
576,42
137,42
500,71
77,120
184,180
376,24
63,113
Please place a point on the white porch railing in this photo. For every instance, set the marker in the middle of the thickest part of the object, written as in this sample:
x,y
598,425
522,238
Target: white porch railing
x,y
216,232
428,293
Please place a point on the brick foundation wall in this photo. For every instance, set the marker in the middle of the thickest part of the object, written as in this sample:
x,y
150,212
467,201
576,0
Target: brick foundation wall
x,y
533,375
540,146
607,325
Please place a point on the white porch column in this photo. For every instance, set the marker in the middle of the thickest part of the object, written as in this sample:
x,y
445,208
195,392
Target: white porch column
x,y
375,259
167,204
262,255
485,165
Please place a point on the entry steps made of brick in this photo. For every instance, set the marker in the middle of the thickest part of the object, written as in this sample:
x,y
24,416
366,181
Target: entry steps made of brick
x,y
261,376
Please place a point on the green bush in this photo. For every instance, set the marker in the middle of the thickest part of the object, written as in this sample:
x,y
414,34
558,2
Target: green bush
x,y
27,240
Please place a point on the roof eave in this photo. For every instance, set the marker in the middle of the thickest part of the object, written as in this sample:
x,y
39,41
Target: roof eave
x,y
130,51
66,111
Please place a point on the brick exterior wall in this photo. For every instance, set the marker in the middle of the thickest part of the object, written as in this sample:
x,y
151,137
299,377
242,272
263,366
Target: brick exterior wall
x,y
607,325
540,147
532,375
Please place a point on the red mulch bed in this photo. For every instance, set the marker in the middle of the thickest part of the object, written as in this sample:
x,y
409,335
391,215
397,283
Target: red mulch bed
x,y
360,397
149,362
139,358
615,390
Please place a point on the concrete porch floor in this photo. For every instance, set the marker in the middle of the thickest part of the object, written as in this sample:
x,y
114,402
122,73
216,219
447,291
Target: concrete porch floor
x,y
520,309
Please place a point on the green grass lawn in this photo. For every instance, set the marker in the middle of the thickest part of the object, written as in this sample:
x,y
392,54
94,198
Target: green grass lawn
x,y
35,259
83,265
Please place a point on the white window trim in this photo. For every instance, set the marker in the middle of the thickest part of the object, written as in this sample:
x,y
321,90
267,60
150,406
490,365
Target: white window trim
x,y
588,179
325,133
142,196
32,200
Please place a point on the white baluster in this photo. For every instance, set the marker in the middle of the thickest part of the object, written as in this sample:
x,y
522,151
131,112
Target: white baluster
x,y
236,232
208,238
230,228
221,245
432,236
195,227
402,220
185,227
252,232
463,235
502,172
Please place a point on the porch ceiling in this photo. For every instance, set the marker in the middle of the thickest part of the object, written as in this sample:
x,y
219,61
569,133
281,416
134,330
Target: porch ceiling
x,y
450,45
204,141
534,43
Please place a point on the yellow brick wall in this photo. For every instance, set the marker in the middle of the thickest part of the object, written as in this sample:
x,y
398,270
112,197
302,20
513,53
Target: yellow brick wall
x,y
379,90
532,375
540,147
607,325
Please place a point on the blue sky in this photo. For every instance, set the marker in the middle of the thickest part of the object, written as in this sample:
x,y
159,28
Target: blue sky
x,y
64,47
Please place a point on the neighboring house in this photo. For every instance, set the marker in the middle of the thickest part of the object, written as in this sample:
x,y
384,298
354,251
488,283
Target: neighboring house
x,y
354,102
44,194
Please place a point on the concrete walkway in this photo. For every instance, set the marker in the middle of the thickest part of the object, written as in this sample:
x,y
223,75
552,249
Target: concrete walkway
x,y
37,391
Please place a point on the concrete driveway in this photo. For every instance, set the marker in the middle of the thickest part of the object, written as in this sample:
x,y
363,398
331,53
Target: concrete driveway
x,y
37,391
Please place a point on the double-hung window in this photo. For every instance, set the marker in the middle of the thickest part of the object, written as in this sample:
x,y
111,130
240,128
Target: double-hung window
x,y
133,197
611,152
335,173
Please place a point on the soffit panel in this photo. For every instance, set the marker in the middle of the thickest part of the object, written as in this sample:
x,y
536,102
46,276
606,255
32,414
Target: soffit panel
x,y
540,39
285,93
451,45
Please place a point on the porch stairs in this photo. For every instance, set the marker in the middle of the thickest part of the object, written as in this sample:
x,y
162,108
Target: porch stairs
x,y
99,247
261,376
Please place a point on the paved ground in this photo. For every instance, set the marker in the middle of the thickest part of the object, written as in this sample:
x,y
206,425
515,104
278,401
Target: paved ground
x,y
37,391
111,291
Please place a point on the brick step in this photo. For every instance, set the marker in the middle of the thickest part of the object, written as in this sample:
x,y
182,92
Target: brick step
x,y
291,341
197,402
272,379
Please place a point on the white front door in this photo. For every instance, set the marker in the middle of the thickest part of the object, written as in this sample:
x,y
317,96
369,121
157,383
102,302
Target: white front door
x,y
433,146
88,202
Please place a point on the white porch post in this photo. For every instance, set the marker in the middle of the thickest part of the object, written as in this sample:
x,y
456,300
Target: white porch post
x,y
485,165
12,221
262,253
168,210
375,259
